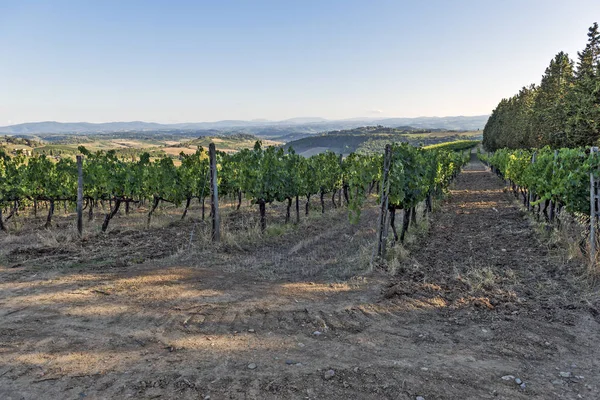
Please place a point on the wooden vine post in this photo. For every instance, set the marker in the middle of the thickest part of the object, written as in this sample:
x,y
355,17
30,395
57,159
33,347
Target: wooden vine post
x,y
214,194
552,202
80,195
385,190
593,209
342,183
531,195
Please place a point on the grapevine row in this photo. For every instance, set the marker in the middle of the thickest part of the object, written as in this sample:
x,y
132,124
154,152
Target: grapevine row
x,y
560,178
261,175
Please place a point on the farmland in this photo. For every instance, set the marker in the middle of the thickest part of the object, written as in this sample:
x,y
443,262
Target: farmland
x,y
297,310
300,200
142,313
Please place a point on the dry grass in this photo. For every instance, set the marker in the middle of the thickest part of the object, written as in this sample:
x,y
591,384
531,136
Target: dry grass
x,y
481,279
567,238
322,246
398,253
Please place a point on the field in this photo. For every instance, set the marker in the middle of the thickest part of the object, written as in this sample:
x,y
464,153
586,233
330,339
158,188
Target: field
x,y
127,144
477,294
372,139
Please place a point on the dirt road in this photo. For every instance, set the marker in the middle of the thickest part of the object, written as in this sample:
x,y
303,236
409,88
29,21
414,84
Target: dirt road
x,y
481,298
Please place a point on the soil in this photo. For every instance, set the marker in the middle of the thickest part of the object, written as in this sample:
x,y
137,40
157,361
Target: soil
x,y
480,298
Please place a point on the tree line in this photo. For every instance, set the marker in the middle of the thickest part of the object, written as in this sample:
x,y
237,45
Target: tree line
x,y
562,111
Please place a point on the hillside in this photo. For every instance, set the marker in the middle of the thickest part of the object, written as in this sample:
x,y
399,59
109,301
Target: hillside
x,y
127,144
374,138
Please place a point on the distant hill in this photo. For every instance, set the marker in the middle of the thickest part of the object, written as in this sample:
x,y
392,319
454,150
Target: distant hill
x,y
297,127
459,123
373,138
77,127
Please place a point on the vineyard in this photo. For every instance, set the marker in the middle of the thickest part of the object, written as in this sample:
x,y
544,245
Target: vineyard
x,y
298,312
262,175
303,200
549,178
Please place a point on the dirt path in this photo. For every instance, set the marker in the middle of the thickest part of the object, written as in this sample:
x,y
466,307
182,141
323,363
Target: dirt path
x,y
480,299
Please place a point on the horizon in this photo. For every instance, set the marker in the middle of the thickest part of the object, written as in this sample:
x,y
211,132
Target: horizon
x,y
255,120
172,63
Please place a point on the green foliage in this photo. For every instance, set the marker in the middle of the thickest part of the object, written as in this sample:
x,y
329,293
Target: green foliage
x,y
193,175
262,174
11,178
328,171
563,111
562,176
358,172
457,145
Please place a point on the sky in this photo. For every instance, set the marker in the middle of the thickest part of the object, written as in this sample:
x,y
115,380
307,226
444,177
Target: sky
x,y
192,61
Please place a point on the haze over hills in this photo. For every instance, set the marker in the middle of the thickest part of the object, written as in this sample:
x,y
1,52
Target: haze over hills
x,y
293,126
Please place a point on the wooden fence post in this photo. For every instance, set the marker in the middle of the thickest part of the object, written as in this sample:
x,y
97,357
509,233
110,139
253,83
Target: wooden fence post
x,y
385,183
214,194
531,195
552,203
342,183
593,211
80,195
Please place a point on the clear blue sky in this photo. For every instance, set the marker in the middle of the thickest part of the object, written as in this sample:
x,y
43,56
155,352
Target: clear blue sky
x,y
176,61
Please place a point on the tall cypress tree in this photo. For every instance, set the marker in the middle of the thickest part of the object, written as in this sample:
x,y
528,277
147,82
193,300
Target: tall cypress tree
x,y
564,111
583,125
589,59
549,111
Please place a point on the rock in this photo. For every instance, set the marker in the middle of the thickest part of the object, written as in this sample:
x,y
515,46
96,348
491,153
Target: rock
x,y
290,362
251,366
565,374
317,333
420,398
355,369
424,369
522,385
251,330
329,374
558,382
508,377
298,364
301,345
518,381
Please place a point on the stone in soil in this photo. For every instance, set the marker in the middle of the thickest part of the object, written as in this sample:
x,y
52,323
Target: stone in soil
x,y
329,374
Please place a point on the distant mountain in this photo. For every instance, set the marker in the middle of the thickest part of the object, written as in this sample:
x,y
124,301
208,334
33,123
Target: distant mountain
x,y
293,126
78,127
304,120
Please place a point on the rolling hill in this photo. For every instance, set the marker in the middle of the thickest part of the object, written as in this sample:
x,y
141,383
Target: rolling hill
x,y
297,127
